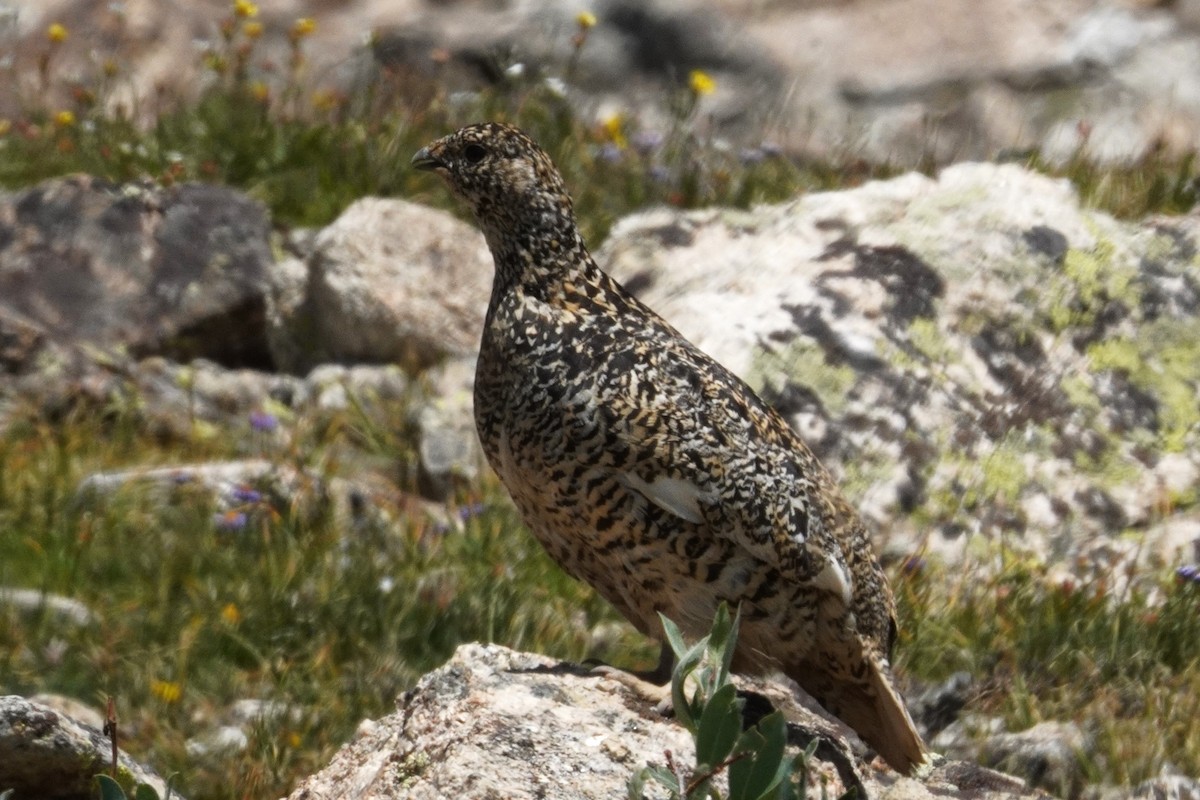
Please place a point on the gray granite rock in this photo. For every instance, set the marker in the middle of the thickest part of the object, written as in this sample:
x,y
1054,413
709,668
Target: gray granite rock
x,y
387,282
44,753
133,269
495,723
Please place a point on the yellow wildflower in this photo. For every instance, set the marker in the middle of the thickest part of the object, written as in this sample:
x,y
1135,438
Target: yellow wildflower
x,y
5,127
64,119
614,129
303,27
294,740
701,82
167,691
252,29
245,9
57,33
326,100
230,614
260,91
585,20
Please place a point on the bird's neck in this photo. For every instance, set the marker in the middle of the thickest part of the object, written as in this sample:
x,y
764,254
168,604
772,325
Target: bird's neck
x,y
540,261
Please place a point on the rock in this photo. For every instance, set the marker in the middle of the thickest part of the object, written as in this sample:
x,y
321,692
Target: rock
x,y
370,388
1167,787
1050,755
225,739
240,493
233,734
65,609
133,269
495,723
447,444
961,738
46,754
977,346
938,706
70,707
388,282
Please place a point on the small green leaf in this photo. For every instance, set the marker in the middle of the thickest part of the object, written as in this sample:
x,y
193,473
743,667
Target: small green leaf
x,y
635,789
674,636
720,726
667,778
686,711
729,646
758,777
109,789
739,771
144,791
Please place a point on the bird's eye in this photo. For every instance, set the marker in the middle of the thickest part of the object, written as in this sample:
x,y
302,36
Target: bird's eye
x,y
475,153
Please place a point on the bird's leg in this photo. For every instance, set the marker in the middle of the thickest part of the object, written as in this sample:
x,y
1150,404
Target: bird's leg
x,y
653,686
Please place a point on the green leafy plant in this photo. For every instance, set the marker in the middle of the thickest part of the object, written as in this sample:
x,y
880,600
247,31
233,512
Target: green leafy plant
x,y
109,789
754,761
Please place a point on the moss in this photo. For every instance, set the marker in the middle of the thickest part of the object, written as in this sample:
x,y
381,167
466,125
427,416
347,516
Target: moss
x,y
803,362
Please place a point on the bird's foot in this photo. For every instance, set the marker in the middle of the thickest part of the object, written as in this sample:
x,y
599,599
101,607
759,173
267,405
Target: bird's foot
x,y
658,695
653,686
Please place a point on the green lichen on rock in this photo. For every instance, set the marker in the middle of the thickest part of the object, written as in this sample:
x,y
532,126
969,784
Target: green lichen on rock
x,y
1088,282
803,362
999,476
1163,361
928,339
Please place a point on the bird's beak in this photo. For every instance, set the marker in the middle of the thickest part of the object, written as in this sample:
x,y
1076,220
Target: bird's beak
x,y
426,160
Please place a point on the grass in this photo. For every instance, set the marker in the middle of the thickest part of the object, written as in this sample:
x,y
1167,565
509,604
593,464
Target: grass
x,y
1124,668
332,623
291,608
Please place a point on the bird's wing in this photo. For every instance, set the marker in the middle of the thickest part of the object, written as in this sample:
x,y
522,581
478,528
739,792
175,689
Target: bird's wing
x,y
705,448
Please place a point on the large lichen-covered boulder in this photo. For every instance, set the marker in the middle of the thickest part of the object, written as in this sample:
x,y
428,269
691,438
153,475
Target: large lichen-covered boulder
x,y
976,355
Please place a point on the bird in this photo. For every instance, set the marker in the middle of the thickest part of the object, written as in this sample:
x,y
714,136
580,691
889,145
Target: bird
x,y
651,472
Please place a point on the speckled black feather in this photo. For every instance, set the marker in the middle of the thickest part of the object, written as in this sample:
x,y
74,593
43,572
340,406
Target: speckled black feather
x,y
650,471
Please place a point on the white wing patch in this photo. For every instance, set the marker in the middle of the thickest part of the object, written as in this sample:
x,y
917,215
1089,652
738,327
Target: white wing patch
x,y
676,495
832,578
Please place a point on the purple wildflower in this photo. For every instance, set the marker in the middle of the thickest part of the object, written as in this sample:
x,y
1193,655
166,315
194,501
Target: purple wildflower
x,y
244,494
1189,573
230,521
263,421
751,155
472,510
610,152
646,142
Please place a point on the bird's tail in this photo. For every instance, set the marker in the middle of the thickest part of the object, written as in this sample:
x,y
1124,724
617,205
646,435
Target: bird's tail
x,y
875,710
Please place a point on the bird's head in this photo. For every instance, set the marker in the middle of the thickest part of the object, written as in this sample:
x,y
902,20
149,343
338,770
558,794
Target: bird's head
x,y
504,176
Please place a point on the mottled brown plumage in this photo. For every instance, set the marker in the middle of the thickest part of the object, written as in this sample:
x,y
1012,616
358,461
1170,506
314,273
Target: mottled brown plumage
x,y
648,470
